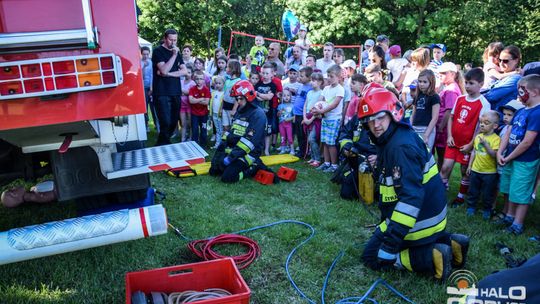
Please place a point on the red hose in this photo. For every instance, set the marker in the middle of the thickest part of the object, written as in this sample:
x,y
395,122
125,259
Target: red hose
x,y
203,249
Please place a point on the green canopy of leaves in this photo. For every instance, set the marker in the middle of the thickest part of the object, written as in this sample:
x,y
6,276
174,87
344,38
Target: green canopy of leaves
x,y
466,27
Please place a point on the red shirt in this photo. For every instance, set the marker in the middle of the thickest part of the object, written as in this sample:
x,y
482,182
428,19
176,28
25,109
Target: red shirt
x,y
279,89
466,115
199,109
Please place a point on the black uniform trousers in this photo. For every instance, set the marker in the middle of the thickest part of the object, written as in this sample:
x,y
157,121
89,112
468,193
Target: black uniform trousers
x,y
420,257
349,185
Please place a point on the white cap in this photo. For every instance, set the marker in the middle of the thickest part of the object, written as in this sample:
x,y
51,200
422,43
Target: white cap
x,y
349,63
447,67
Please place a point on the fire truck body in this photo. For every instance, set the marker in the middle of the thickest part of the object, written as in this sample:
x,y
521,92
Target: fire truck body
x,y
71,81
60,84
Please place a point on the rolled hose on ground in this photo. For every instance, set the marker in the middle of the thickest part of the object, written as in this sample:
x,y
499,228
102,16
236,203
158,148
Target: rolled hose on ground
x,y
203,249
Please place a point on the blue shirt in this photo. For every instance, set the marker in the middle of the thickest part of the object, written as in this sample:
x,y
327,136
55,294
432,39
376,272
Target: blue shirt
x,y
147,73
286,111
526,119
503,91
300,99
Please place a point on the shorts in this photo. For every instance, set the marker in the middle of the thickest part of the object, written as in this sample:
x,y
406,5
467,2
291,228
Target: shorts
x,y
329,131
185,107
518,180
226,118
453,153
272,126
420,130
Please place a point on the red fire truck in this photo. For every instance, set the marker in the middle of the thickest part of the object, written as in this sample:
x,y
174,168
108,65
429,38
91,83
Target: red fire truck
x,y
71,91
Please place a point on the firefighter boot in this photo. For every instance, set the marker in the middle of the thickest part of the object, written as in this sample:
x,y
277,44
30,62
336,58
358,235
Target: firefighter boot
x,y
442,261
460,247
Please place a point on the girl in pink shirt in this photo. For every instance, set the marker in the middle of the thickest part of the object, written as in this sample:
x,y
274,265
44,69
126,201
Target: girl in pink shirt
x,y
453,88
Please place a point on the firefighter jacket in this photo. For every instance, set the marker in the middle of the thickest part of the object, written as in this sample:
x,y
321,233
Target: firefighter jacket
x,y
245,140
353,134
412,198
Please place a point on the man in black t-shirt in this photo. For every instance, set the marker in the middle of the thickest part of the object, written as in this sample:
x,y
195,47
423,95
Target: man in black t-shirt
x,y
168,67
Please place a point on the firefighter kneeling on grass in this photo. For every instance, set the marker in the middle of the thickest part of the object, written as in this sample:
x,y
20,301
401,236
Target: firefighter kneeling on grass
x,y
412,197
238,156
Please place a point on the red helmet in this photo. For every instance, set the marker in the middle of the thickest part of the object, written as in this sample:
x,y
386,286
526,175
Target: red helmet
x,y
244,88
378,100
370,86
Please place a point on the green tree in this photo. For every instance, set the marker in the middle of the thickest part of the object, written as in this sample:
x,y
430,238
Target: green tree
x,y
465,26
198,21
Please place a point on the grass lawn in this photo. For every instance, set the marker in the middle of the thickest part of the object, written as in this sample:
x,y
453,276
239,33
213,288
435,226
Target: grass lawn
x,y
202,207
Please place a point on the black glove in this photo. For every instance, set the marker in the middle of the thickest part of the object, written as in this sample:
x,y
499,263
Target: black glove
x,y
347,147
354,151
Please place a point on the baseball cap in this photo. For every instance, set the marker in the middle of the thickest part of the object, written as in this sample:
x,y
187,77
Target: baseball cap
x,y
303,28
369,42
382,38
531,68
349,63
395,50
294,67
447,67
512,105
438,46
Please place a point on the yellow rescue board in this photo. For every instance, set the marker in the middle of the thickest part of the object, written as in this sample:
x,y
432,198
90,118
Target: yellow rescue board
x,y
270,160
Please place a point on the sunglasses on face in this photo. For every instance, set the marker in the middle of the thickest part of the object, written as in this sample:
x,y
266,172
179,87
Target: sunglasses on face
x,y
505,61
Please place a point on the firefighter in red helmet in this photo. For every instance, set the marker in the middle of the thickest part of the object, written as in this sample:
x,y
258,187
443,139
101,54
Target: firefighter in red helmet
x,y
411,195
238,156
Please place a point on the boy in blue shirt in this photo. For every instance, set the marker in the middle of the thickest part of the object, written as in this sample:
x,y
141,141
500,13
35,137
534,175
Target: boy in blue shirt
x,y
522,155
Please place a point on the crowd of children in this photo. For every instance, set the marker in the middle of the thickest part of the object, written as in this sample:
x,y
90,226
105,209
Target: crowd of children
x,y
497,148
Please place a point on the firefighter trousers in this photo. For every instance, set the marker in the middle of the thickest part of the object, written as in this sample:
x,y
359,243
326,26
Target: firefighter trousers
x,y
235,171
414,258
349,181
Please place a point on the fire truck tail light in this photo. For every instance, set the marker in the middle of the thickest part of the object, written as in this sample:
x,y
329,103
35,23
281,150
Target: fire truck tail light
x,y
88,80
9,72
106,63
47,70
49,84
31,70
33,85
87,65
60,75
108,77
10,88
64,67
66,82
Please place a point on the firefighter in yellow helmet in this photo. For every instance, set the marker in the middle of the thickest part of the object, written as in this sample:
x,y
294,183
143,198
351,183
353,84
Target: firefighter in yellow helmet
x,y
412,198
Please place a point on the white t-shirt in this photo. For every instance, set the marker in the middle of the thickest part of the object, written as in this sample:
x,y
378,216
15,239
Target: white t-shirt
x,y
324,65
312,98
300,42
396,66
330,93
217,98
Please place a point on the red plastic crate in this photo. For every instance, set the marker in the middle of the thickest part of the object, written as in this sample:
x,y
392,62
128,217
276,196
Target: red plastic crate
x,y
221,273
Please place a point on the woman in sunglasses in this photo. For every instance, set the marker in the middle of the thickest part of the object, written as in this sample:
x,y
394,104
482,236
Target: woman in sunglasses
x,y
506,88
